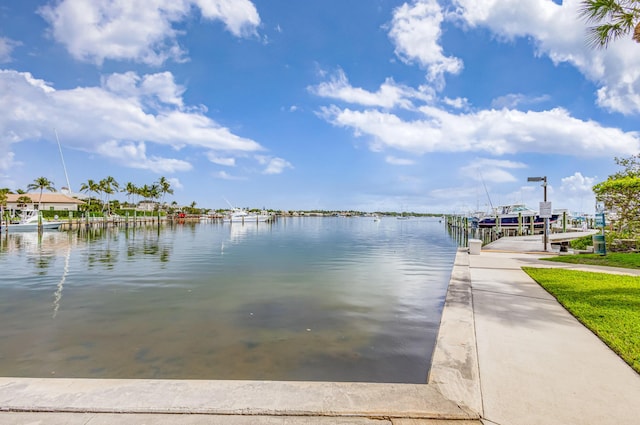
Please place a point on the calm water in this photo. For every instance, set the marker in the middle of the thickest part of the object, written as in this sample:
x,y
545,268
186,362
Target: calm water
x,y
323,299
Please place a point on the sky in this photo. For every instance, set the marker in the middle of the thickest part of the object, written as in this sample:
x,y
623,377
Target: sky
x,y
378,105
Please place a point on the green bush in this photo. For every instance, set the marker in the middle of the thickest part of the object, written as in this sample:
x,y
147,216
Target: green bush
x,y
51,215
582,243
622,241
611,239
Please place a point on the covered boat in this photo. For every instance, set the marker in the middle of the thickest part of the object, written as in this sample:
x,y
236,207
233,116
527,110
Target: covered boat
x,y
514,215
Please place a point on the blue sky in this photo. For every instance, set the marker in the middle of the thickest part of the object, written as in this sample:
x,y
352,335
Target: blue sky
x,y
426,106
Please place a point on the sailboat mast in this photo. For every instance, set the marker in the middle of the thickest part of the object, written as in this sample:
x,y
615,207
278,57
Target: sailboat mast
x,y
485,189
64,167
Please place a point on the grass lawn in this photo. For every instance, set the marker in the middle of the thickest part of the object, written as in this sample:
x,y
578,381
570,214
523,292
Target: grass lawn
x,y
607,304
626,260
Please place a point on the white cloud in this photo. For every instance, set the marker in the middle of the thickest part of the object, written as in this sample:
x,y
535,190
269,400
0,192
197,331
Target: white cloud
x,y
240,16
457,103
7,159
163,87
399,161
156,89
274,165
95,30
226,176
577,183
175,183
415,31
389,95
496,132
576,192
491,170
134,155
119,120
558,32
6,48
513,100
220,160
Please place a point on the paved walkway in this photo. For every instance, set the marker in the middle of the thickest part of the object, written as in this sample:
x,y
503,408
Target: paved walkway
x,y
538,364
507,354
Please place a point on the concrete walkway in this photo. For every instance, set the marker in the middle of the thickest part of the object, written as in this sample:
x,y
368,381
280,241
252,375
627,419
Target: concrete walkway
x,y
507,354
538,364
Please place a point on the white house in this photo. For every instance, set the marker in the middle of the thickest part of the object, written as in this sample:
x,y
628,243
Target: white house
x,y
49,201
146,205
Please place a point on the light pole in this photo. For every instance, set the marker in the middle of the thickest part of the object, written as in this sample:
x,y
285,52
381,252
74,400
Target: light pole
x,y
546,216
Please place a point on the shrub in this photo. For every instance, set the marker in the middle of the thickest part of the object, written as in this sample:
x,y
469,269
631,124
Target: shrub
x,y
582,243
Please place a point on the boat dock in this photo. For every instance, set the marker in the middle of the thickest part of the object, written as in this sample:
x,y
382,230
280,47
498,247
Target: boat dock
x,y
92,223
462,229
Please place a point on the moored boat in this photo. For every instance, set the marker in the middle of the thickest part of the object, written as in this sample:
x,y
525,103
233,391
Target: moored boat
x,y
29,222
513,216
240,215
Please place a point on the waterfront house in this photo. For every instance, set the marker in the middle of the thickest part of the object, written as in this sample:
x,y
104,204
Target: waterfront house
x,y
49,201
147,205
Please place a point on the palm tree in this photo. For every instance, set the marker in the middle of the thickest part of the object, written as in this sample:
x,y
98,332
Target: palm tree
x,y
23,200
614,19
109,185
3,196
155,191
192,207
130,189
165,187
143,191
174,206
91,187
41,183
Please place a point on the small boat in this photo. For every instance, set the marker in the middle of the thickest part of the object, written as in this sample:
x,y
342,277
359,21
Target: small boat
x,y
29,223
514,215
240,215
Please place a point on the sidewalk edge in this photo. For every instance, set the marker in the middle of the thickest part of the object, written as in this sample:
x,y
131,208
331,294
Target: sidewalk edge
x,y
454,368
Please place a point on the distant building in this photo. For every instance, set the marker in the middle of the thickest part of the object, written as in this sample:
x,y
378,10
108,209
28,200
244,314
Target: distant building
x,y
49,201
147,206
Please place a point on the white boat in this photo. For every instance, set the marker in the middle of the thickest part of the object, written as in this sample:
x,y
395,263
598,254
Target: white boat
x,y
29,223
240,215
513,216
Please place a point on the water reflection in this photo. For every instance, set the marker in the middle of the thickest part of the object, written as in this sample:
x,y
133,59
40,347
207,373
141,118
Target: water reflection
x,y
57,296
301,299
42,248
239,232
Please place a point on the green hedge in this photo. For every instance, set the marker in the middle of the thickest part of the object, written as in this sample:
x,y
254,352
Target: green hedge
x,y
612,240
582,243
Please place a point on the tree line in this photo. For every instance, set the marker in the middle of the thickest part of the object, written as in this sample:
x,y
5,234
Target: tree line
x,y
108,186
99,193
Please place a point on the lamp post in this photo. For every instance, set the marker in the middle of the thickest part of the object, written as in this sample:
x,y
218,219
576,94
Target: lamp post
x,y
546,216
